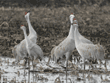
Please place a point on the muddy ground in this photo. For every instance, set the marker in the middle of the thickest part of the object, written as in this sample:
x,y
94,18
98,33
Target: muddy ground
x,y
52,73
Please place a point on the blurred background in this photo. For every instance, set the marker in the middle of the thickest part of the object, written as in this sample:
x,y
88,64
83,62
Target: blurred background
x,y
51,3
50,19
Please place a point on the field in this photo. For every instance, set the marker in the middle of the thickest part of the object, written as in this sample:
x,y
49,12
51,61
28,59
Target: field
x,y
52,25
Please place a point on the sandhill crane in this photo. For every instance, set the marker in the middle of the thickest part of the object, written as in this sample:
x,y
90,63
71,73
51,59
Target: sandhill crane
x,y
20,49
87,50
66,46
33,50
32,33
82,38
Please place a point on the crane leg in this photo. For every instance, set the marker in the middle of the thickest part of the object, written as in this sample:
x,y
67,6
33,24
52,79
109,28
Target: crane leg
x,y
66,69
48,60
105,65
100,63
77,64
28,71
25,66
24,69
33,70
67,57
84,67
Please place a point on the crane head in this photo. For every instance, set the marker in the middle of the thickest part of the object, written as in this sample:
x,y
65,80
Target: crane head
x,y
27,14
75,21
71,18
23,27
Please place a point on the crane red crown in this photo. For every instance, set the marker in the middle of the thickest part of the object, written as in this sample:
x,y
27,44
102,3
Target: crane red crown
x,y
25,13
22,25
71,13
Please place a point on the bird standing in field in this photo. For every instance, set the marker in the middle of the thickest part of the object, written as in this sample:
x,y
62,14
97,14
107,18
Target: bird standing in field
x,y
19,50
33,50
87,50
66,46
82,38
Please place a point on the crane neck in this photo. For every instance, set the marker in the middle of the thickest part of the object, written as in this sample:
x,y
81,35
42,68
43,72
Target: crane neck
x,y
31,30
25,34
76,35
26,38
71,32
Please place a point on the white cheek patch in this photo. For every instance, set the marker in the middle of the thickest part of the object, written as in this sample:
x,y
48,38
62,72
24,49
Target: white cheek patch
x,y
75,22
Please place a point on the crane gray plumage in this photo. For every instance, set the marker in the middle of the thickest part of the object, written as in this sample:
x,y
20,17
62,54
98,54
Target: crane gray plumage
x,y
17,53
32,33
65,47
87,50
82,38
20,49
34,51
